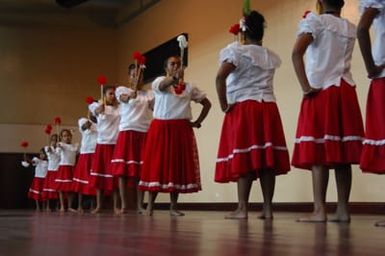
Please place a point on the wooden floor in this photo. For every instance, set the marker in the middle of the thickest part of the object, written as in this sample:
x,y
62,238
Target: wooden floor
x,y
198,233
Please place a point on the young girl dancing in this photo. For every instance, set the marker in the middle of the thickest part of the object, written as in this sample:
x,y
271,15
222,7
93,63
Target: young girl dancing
x,y
81,177
170,162
107,126
373,153
330,130
63,180
252,143
41,166
135,117
49,188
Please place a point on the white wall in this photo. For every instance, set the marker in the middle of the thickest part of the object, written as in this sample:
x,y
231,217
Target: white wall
x,y
11,135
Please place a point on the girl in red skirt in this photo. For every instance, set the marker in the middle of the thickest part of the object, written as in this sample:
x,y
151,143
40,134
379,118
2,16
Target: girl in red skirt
x,y
170,162
102,178
330,130
41,166
81,177
252,143
373,153
49,191
64,176
135,117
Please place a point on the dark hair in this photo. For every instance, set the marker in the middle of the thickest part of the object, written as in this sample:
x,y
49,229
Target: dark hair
x,y
335,3
108,87
65,130
255,25
53,135
169,57
131,67
42,150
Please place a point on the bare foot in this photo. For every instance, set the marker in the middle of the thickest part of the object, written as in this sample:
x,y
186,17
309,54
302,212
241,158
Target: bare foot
x,y
380,223
265,217
315,217
72,210
147,213
123,211
80,210
140,210
176,213
62,209
266,214
117,211
96,210
340,218
237,215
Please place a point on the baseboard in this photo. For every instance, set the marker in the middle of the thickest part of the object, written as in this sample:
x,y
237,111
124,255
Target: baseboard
x,y
355,207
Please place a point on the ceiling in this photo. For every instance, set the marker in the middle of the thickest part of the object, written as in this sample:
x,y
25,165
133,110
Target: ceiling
x,y
101,13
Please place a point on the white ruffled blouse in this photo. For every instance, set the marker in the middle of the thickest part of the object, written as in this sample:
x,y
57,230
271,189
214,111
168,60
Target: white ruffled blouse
x,y
53,158
253,76
67,153
136,114
107,125
170,106
89,137
41,167
328,58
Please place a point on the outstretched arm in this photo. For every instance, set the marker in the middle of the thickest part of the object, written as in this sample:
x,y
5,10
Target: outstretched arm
x,y
172,80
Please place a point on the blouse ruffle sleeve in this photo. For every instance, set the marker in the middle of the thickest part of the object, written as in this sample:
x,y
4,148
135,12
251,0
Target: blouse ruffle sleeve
x,y
311,24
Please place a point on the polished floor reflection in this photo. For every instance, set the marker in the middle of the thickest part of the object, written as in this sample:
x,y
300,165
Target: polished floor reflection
x,y
198,233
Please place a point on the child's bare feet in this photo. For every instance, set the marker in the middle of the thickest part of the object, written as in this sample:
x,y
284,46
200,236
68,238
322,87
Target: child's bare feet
x,y
237,215
147,212
140,210
342,215
62,209
123,211
80,210
380,223
72,210
96,210
176,213
314,217
267,214
340,218
118,211
265,217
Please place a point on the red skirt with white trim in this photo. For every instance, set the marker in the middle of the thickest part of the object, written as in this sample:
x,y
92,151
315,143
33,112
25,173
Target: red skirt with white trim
x,y
81,178
36,190
63,179
49,187
373,153
170,162
101,173
330,129
252,140
128,154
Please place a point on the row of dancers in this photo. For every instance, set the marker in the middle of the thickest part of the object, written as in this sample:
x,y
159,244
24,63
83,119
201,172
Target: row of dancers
x,y
145,137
